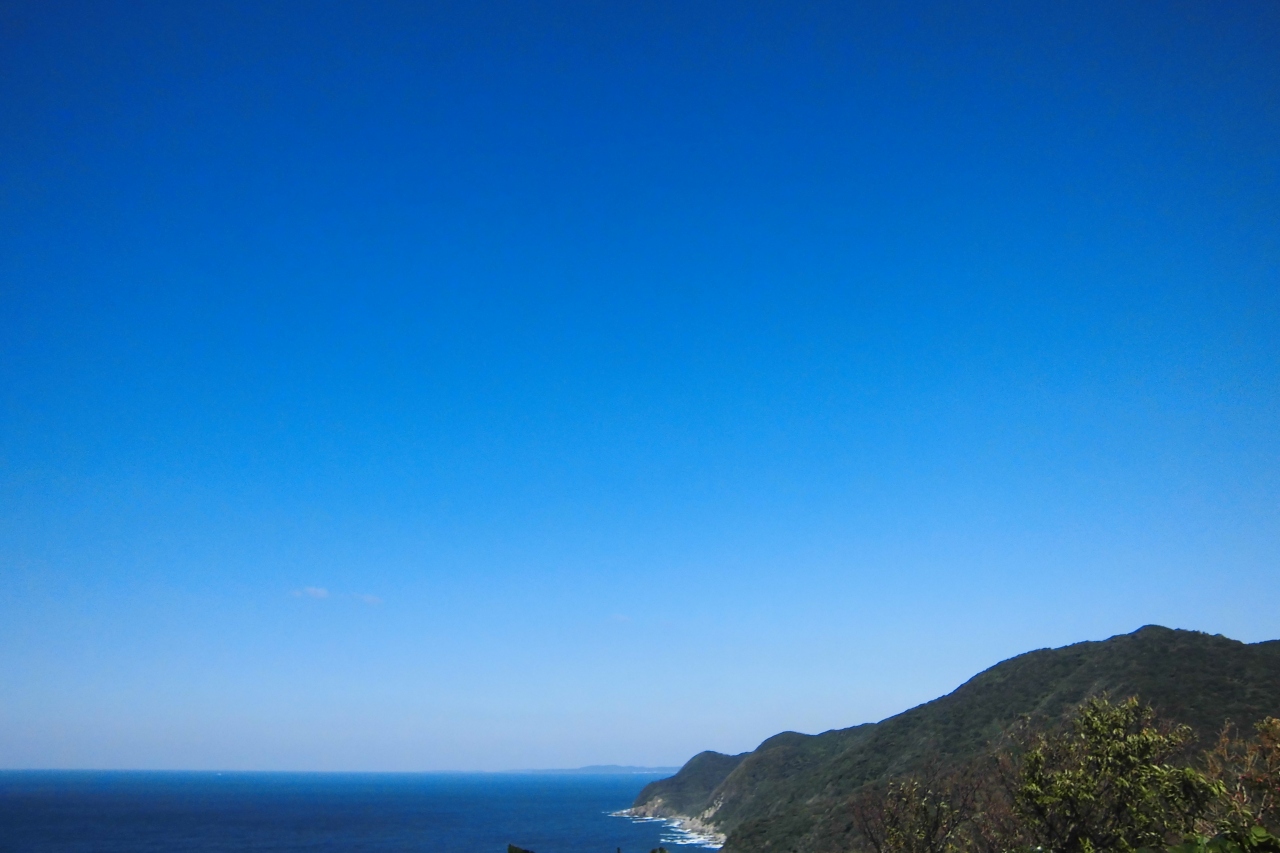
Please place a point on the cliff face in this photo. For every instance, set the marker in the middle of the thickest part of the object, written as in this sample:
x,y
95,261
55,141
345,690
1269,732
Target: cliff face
x,y
784,795
687,792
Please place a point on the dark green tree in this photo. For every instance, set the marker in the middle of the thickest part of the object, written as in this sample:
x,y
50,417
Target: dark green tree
x,y
1106,783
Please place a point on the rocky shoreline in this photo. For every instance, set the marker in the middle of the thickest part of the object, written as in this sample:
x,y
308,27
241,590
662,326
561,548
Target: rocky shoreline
x,y
694,830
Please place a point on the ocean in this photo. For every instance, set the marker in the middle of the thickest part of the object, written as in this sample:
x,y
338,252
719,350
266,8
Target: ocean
x,y
145,812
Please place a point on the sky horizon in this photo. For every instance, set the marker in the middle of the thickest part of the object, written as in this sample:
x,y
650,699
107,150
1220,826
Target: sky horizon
x,y
469,386
586,768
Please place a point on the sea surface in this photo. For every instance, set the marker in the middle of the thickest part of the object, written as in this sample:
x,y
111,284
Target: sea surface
x,y
144,812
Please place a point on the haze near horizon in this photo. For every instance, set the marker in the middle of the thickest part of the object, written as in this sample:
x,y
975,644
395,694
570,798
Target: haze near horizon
x,y
486,385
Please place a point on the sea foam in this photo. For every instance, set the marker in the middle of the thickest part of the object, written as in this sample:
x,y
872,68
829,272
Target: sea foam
x,y
674,831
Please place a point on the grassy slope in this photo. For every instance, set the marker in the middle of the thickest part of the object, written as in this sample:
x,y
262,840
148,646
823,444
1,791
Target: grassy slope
x,y
786,794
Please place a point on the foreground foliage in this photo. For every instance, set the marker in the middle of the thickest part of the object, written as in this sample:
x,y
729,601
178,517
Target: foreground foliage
x,y
1105,783
1111,779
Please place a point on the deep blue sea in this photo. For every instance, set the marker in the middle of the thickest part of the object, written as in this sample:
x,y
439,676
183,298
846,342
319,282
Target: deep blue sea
x,y
140,812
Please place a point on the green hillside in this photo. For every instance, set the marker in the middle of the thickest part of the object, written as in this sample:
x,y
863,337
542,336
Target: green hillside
x,y
690,788
787,794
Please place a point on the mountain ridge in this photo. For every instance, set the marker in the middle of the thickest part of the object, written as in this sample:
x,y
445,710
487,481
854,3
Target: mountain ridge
x,y
786,795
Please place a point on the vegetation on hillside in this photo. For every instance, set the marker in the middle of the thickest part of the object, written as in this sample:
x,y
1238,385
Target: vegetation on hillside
x,y
685,792
1112,779
791,794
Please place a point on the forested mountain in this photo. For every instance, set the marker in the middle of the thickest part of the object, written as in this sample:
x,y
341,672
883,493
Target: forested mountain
x,y
787,794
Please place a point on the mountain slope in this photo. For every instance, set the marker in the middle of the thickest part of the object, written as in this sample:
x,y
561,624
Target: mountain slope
x,y
786,795
685,792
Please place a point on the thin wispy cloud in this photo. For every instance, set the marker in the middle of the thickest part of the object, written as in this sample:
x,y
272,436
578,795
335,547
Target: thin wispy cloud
x,y
319,592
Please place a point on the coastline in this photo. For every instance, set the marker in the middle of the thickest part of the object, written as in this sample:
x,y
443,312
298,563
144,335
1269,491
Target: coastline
x,y
681,829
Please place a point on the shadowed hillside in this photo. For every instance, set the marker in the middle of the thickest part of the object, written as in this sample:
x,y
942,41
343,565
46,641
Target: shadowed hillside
x,y
687,791
783,796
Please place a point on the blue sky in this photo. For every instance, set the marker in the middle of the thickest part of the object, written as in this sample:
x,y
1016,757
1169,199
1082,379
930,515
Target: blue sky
x,y
492,385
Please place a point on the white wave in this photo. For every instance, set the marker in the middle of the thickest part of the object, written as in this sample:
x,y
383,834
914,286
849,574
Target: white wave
x,y
674,831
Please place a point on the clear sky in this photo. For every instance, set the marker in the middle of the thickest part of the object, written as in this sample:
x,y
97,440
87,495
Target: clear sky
x,y
487,385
